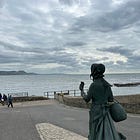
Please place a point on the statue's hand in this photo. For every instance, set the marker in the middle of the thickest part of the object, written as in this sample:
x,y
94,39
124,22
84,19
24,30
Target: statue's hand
x,y
83,93
81,86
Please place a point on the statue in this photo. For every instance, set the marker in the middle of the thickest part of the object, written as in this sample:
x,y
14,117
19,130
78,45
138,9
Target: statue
x,y
101,126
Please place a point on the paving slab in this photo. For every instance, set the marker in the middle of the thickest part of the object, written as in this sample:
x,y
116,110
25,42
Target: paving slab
x,y
49,131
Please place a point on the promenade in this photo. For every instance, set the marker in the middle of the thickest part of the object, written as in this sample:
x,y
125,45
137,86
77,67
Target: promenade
x,y
49,120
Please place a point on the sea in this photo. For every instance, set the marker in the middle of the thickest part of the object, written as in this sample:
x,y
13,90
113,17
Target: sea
x,y
37,85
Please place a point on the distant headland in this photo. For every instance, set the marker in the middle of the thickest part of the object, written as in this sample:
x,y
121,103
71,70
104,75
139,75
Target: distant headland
x,y
21,72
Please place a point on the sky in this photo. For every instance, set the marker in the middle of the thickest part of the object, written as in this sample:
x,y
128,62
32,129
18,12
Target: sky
x,y
67,36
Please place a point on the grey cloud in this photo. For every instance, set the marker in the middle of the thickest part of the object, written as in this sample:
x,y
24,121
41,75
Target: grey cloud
x,y
101,4
67,62
8,59
74,44
133,60
32,39
12,47
26,17
117,49
123,17
38,50
22,12
90,61
56,57
2,2
69,2
37,55
9,46
55,49
44,33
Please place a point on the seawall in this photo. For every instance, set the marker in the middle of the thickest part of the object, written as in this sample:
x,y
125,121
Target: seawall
x,y
28,98
131,103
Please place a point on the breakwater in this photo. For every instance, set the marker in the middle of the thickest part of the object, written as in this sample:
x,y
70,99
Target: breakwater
x,y
131,103
127,84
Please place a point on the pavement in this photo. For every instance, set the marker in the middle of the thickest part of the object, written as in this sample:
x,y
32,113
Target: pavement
x,y
49,120
47,130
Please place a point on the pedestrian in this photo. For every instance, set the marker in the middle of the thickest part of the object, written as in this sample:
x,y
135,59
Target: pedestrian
x,y
101,126
1,99
5,98
0,96
81,87
10,100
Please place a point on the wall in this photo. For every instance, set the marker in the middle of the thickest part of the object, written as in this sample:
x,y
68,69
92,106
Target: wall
x,y
30,98
131,103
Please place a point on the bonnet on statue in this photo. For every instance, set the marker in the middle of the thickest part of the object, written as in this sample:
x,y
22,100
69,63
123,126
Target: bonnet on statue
x,y
97,71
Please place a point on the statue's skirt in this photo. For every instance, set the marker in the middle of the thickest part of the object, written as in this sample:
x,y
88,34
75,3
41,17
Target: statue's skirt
x,y
101,126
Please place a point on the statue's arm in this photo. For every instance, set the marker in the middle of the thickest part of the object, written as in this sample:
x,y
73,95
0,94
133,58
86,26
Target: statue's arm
x,y
88,97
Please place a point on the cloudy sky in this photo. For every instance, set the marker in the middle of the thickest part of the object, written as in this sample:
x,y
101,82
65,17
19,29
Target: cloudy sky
x,y
67,36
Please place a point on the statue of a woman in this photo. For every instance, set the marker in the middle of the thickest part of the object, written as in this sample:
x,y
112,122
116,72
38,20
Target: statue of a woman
x,y
101,126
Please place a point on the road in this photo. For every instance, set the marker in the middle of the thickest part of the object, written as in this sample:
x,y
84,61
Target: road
x,y
19,123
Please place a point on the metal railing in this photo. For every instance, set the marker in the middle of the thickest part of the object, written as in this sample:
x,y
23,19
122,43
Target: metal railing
x,y
19,94
51,94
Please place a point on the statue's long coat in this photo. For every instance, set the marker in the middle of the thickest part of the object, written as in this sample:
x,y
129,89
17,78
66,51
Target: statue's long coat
x,y
101,125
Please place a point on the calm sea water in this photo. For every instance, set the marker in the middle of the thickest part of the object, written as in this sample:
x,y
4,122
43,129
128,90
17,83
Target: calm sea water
x,y
38,84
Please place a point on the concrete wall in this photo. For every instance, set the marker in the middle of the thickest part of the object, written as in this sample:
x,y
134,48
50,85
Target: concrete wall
x,y
131,103
30,98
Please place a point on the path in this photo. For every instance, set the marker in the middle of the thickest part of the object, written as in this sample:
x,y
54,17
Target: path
x,y
32,120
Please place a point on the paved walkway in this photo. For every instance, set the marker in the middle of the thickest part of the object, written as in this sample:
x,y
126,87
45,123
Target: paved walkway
x,y
47,131
20,125
49,120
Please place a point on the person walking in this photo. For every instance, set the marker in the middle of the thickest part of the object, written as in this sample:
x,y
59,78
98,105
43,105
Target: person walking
x,y
101,126
0,96
10,100
1,100
81,87
5,99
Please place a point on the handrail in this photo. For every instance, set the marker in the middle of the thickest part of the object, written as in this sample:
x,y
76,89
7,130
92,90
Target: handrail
x,y
69,92
19,94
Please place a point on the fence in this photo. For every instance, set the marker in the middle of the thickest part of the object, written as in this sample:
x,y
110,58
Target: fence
x,y
19,94
50,94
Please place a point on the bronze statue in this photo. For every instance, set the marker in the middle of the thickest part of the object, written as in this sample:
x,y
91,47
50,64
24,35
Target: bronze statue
x,y
101,126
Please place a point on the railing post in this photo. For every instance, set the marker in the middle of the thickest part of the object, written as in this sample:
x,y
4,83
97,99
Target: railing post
x,y
74,92
54,95
47,94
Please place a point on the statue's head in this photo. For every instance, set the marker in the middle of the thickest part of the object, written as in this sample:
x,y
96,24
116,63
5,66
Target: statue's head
x,y
97,70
